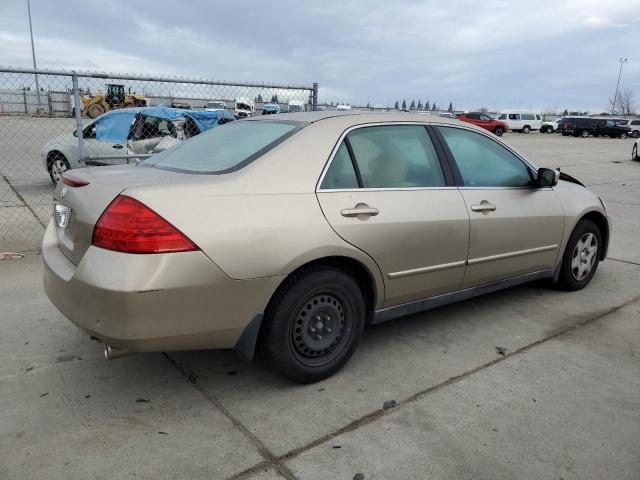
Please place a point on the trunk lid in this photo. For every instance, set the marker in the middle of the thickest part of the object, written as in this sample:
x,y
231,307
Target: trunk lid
x,y
87,203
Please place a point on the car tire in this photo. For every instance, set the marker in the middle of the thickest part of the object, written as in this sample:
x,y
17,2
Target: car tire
x,y
57,164
634,153
549,129
526,129
622,136
313,324
584,133
581,256
95,110
635,134
498,131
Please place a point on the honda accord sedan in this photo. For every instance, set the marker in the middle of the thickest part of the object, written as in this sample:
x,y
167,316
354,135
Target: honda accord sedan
x,y
286,234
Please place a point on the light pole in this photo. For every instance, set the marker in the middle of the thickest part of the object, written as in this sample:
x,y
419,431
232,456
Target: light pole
x,y
615,97
33,54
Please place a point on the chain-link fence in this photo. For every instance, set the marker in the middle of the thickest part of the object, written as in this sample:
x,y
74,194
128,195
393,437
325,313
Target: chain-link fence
x,y
52,121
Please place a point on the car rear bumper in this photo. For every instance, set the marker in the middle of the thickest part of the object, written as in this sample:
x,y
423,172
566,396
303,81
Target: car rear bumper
x,y
158,302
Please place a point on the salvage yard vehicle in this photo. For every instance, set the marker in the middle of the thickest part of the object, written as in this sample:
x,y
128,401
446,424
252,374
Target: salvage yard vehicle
x,y
485,121
95,105
215,106
270,109
585,126
633,125
550,126
634,151
287,233
116,136
523,121
296,106
244,107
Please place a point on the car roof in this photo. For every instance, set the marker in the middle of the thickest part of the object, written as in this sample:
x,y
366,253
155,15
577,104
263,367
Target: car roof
x,y
355,117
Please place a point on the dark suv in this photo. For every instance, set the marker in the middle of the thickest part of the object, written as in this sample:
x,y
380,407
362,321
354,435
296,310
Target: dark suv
x,y
583,127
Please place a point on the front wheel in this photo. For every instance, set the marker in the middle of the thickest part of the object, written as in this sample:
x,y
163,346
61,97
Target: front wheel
x,y
584,133
498,131
622,135
313,324
581,256
526,129
634,153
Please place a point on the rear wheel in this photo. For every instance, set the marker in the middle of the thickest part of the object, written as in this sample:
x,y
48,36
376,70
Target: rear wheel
x,y
57,164
584,133
635,133
634,152
498,131
313,324
526,129
581,256
549,129
622,135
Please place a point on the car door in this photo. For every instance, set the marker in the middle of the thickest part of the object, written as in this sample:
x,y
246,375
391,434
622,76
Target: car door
x,y
96,151
516,228
385,191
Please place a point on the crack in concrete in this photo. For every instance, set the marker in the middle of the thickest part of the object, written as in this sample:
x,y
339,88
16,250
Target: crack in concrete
x,y
21,198
277,462
270,458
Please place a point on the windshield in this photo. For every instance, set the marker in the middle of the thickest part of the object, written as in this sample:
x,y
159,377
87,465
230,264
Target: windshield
x,y
216,105
242,106
224,149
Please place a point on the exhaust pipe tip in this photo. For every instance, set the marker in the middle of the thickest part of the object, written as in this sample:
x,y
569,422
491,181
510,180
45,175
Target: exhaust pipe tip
x,y
111,353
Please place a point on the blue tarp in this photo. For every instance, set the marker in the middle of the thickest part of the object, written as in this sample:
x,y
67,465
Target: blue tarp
x,y
114,126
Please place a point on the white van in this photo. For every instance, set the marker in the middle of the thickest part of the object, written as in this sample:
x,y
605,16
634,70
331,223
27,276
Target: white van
x,y
522,121
244,107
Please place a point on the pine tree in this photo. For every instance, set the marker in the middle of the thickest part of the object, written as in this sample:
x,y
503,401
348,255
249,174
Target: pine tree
x,y
413,105
427,106
368,106
404,104
260,98
450,109
566,112
419,104
274,98
397,106
433,107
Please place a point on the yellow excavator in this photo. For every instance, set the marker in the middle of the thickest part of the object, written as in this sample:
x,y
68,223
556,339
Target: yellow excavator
x,y
96,105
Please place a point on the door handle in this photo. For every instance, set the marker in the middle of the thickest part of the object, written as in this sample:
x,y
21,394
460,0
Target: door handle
x,y
118,146
484,207
359,209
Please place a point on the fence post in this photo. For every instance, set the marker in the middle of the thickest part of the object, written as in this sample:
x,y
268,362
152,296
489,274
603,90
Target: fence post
x,y
24,100
315,96
78,110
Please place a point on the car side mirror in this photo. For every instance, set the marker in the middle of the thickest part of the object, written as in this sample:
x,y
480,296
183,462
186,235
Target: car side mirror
x,y
547,177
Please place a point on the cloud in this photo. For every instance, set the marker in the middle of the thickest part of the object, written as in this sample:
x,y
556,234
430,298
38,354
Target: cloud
x,y
495,53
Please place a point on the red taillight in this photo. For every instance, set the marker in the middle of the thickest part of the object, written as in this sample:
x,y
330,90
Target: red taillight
x,y
73,181
131,227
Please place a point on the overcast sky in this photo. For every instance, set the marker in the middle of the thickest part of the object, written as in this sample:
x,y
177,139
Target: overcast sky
x,y
494,53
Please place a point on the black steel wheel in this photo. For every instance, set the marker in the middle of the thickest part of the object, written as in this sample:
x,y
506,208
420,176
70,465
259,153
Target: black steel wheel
x,y
313,323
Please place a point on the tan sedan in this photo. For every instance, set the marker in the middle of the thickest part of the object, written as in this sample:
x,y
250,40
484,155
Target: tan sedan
x,y
288,234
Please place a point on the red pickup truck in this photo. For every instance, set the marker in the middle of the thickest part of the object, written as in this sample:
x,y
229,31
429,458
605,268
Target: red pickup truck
x,y
484,121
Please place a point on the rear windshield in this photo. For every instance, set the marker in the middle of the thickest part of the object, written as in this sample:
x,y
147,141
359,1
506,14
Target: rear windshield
x,y
226,148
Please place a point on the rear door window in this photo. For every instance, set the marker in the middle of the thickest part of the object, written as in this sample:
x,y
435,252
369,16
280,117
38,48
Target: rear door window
x,y
396,156
484,162
514,116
